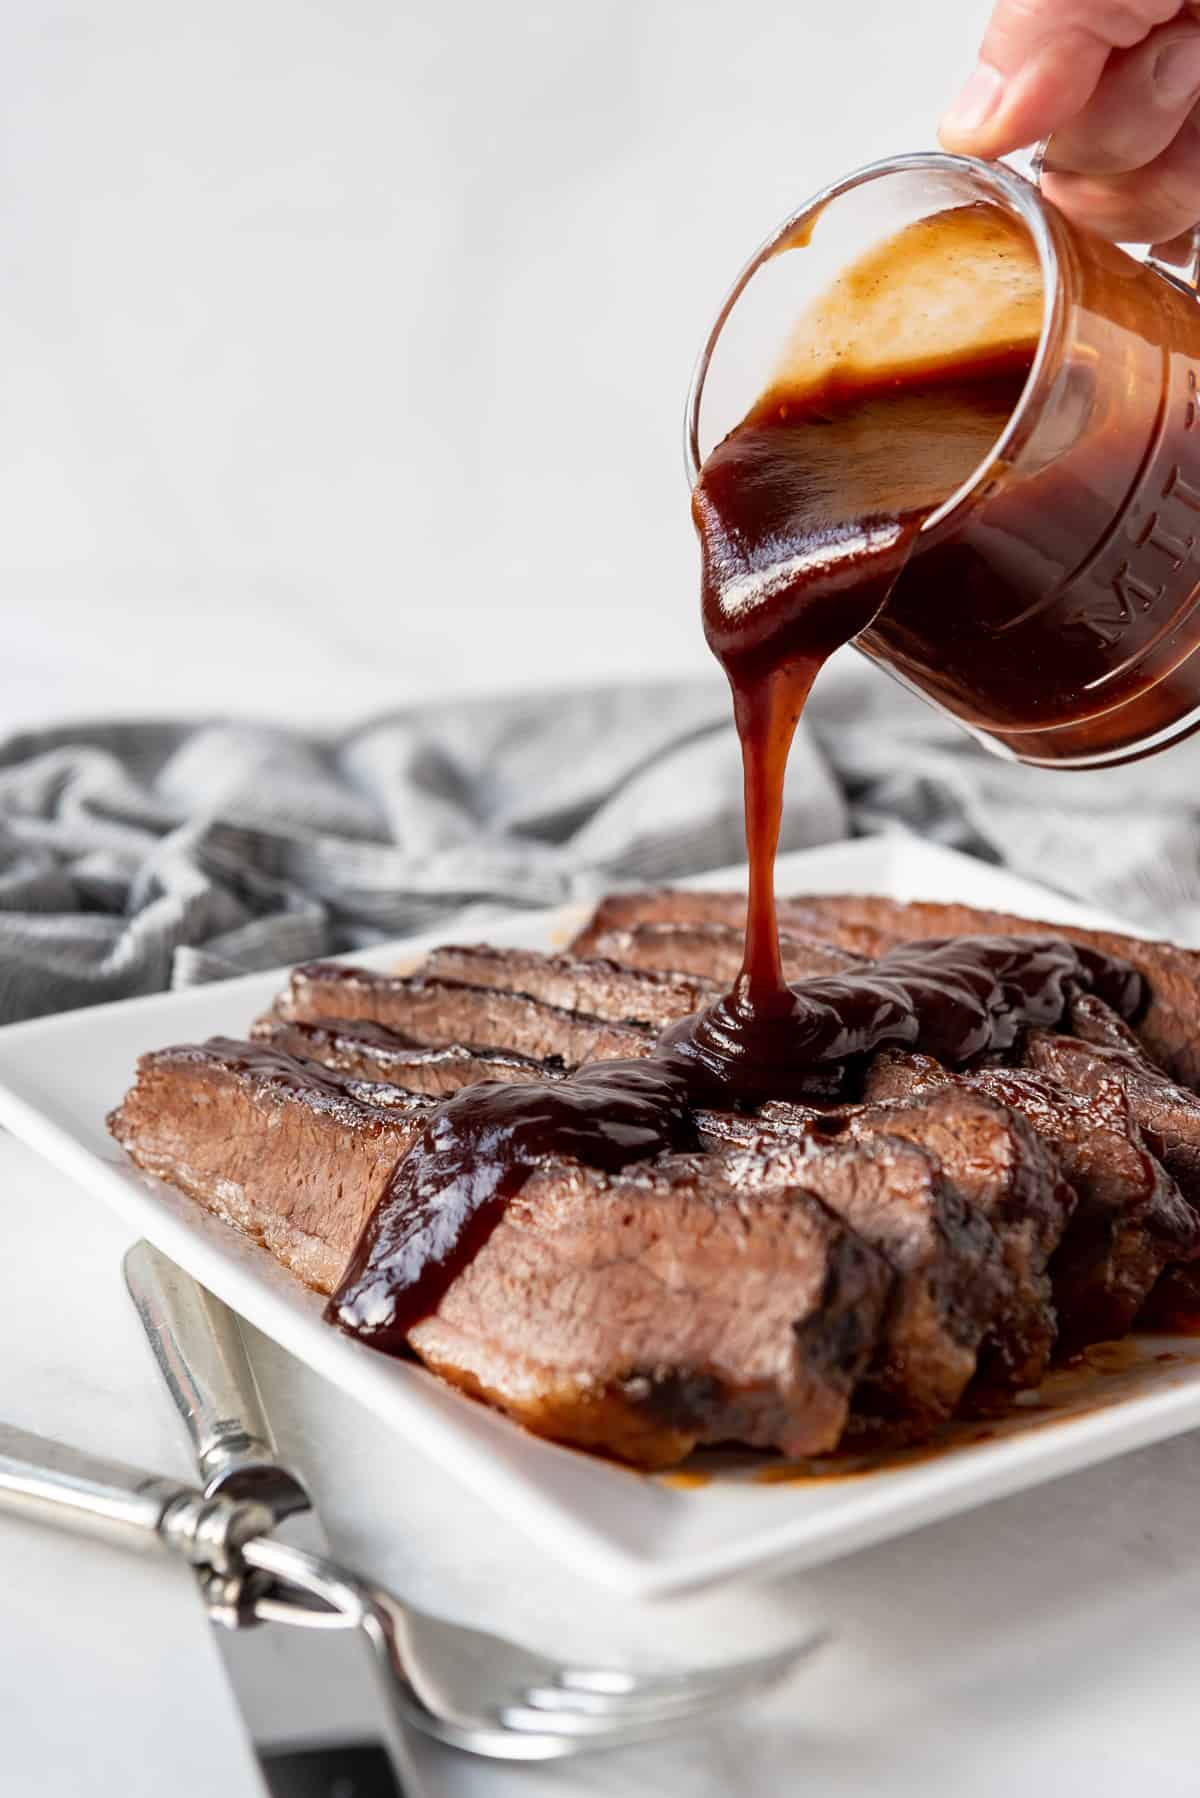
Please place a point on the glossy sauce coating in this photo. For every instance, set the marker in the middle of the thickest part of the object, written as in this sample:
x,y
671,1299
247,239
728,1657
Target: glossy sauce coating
x,y
960,999
808,514
450,1190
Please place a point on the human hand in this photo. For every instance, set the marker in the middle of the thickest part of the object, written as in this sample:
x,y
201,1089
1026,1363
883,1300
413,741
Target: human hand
x,y
1115,85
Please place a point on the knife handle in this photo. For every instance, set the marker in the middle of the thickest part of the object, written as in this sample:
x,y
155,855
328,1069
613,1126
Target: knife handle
x,y
197,1342
49,1482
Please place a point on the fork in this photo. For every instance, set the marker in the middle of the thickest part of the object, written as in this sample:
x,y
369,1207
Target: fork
x,y
466,1681
468,1688
488,1695
472,1690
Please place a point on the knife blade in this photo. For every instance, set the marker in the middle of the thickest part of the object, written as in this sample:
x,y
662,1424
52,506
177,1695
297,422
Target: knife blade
x,y
311,1700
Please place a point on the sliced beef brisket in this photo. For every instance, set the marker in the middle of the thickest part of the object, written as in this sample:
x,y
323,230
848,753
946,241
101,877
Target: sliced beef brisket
x,y
293,1154
599,1311
681,905
372,1052
995,1161
949,1279
1131,1220
1168,1114
600,988
881,1259
442,1012
715,951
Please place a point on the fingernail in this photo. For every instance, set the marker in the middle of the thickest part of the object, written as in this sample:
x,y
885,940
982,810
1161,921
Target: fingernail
x,y
977,101
1177,71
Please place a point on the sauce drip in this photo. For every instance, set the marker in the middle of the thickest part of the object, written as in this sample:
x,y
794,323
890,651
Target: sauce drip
x,y
808,514
449,1192
959,999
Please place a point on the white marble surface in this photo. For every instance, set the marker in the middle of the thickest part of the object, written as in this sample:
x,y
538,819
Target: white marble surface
x,y
1046,1643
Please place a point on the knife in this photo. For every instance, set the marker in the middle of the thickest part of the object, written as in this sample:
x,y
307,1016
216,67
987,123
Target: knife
x,y
311,1700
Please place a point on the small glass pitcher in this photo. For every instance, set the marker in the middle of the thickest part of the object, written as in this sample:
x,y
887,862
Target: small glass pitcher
x,y
1075,639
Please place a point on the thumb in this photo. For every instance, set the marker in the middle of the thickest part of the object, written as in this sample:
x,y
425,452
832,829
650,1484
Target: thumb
x,y
1039,65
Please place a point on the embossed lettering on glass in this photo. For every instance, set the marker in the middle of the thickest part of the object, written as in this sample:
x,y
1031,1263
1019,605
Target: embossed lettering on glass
x,y
1050,604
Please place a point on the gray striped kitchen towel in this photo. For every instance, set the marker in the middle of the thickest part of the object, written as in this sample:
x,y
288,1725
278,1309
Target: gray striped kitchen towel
x,y
141,856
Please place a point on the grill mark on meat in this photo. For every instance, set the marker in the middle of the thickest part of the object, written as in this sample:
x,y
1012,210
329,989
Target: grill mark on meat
x,y
442,1012
713,950
372,1052
1131,1220
596,986
290,1153
946,1257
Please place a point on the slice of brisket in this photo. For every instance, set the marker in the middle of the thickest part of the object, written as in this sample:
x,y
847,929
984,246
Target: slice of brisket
x,y
356,1046
998,1163
1169,1118
598,987
293,1154
946,1257
715,951
443,1012
601,1312
1168,1114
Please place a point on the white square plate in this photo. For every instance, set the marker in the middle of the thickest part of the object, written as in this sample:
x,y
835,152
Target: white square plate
x,y
640,1534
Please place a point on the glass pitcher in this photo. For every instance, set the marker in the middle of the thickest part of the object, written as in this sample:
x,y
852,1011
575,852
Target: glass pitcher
x,y
1075,641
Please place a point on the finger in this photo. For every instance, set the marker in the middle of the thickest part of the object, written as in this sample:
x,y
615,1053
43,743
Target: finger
x,y
1179,253
1138,107
1150,205
1039,65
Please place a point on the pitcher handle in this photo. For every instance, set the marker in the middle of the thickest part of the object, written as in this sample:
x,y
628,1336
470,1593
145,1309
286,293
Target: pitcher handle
x,y
1184,275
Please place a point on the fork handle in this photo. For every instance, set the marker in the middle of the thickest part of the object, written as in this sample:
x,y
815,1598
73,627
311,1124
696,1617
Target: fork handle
x,y
197,1342
50,1482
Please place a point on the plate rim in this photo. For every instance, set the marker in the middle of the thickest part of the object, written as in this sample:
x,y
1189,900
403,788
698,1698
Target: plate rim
x,y
897,864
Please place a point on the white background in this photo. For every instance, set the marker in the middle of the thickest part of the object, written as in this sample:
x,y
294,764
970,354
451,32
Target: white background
x,y
344,345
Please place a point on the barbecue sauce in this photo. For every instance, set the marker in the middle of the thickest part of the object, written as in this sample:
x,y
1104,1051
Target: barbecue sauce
x,y
961,998
808,513
451,1189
